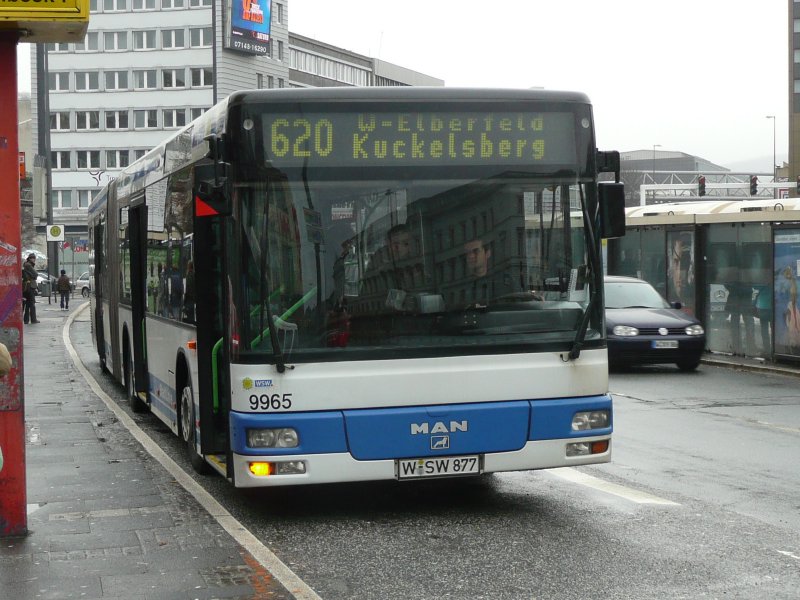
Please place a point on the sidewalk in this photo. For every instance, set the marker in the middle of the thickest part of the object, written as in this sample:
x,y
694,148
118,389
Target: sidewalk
x,y
105,519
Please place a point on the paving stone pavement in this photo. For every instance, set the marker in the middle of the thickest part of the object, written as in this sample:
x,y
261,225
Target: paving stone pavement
x,y
105,519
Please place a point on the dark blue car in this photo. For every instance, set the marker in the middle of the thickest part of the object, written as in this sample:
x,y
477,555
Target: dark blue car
x,y
643,328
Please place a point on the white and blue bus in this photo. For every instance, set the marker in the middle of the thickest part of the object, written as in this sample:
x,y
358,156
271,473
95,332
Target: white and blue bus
x,y
352,284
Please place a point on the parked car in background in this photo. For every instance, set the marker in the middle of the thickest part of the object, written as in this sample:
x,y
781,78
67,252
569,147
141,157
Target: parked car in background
x,y
42,288
82,284
643,328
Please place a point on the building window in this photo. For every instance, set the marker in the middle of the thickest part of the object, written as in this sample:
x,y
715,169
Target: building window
x,y
145,119
88,159
201,37
145,79
279,13
172,38
174,117
59,159
173,78
59,121
201,77
280,50
797,25
87,80
199,3
116,80
114,5
60,47
117,159
58,82
144,4
171,4
270,81
797,86
85,198
280,82
90,43
144,40
87,119
116,119
61,198
115,40
197,112
259,80
137,154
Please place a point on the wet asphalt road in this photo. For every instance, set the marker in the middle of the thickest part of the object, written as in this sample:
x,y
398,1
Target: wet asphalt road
x,y
723,446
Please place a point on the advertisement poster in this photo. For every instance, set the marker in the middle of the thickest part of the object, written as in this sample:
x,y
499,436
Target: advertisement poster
x,y
250,25
787,310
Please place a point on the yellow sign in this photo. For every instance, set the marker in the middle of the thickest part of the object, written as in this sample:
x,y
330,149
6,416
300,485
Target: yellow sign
x,y
45,20
34,7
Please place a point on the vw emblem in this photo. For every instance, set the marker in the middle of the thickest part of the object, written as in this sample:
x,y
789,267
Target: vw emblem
x,y
663,331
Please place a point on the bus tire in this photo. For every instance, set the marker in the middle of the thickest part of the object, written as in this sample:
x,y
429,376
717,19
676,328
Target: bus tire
x,y
134,401
188,421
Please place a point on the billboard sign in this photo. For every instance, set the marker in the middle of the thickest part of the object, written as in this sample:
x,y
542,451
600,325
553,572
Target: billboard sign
x,y
250,26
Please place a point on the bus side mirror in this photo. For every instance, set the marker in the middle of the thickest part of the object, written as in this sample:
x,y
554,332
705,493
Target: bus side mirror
x,y
212,197
612,209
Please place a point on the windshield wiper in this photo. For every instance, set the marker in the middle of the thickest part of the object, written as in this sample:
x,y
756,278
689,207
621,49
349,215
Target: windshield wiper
x,y
594,268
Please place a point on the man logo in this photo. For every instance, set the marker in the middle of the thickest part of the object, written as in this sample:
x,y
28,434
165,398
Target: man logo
x,y
439,427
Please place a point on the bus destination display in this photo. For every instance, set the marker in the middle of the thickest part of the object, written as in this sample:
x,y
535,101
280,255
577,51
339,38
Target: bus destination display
x,y
419,139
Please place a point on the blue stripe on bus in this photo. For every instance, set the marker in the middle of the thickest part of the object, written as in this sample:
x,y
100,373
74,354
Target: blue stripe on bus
x,y
165,405
387,433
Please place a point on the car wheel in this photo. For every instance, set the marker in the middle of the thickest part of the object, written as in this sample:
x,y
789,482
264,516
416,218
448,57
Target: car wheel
x,y
688,365
135,402
188,431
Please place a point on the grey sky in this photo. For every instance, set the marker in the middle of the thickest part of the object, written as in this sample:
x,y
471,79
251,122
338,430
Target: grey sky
x,y
698,76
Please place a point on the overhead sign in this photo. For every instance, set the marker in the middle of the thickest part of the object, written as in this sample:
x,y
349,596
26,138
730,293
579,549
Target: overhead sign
x,y
46,20
55,233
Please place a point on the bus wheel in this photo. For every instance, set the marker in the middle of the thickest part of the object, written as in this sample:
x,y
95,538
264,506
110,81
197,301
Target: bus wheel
x,y
188,431
135,402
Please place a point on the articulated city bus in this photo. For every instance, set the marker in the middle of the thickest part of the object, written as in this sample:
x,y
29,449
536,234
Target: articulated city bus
x,y
351,284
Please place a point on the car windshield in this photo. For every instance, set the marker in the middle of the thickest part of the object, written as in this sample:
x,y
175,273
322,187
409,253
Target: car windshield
x,y
632,294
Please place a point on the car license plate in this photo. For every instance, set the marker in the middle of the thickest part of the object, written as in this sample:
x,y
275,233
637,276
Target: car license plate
x,y
446,466
665,343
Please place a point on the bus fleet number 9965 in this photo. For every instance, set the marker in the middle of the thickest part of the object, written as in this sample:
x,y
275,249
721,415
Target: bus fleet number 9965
x,y
270,401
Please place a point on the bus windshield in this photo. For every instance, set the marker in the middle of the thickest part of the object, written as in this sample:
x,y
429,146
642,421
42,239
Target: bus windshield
x,y
403,260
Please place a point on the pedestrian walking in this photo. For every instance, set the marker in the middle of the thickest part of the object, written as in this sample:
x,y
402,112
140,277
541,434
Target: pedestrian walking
x,y
64,287
29,276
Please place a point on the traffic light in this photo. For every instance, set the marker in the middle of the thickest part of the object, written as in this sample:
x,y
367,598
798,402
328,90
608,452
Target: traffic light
x,y
753,185
701,185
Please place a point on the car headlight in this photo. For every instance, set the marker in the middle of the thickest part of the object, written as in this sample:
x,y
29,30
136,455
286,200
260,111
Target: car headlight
x,y
695,330
272,438
592,419
625,330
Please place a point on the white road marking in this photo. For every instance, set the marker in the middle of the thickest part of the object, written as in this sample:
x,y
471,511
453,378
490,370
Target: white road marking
x,y
288,578
572,475
789,554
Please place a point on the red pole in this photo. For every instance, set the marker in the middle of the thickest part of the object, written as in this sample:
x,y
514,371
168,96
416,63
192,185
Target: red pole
x,y
13,502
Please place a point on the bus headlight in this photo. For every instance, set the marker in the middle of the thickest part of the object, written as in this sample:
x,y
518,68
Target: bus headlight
x,y
625,331
592,419
695,330
285,437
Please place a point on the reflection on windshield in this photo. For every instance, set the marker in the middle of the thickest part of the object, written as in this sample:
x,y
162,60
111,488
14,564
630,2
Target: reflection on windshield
x,y
633,294
387,265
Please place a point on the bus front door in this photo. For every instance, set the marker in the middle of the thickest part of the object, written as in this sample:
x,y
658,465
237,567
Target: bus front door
x,y
137,238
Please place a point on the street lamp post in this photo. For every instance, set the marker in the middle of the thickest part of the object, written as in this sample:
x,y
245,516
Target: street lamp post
x,y
774,158
654,161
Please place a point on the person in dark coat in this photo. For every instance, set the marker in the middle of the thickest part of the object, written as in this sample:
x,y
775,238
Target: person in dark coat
x,y
29,276
64,287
